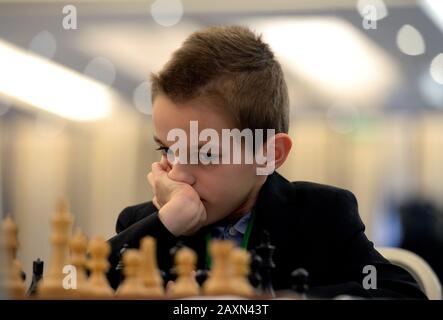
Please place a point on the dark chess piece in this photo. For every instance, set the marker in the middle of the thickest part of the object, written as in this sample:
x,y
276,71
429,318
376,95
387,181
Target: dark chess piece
x,y
172,276
163,275
254,275
175,248
266,252
201,276
299,279
120,266
37,275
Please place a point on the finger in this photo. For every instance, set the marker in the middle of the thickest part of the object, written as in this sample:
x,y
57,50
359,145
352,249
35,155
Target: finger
x,y
150,178
191,231
165,163
203,216
157,170
155,203
160,176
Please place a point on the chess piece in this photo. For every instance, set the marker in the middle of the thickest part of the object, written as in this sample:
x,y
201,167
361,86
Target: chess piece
x,y
98,264
173,251
149,272
266,252
172,276
132,286
254,276
163,275
240,260
186,285
218,282
78,246
15,285
37,275
201,276
52,285
299,278
119,267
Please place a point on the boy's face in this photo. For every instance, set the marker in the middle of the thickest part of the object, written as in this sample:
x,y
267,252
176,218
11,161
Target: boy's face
x,y
224,189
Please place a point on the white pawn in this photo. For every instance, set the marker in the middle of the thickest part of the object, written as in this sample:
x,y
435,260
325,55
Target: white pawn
x,y
98,264
218,282
78,246
132,286
240,260
185,285
149,272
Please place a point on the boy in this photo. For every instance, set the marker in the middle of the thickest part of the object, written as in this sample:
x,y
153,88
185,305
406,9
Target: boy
x,y
227,78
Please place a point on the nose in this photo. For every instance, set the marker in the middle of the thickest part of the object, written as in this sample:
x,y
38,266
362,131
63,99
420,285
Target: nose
x,y
182,173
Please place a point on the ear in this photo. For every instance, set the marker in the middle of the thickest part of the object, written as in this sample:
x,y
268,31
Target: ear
x,y
276,150
273,153
282,144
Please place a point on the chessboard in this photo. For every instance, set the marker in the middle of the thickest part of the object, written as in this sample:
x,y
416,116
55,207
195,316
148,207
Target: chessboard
x,y
77,269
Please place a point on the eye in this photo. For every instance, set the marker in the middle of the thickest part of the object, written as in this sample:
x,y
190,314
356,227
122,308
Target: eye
x,y
163,150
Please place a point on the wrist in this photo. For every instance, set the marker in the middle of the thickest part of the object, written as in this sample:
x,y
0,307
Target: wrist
x,y
167,219
181,214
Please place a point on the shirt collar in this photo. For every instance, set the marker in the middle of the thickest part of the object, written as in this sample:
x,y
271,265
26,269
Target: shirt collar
x,y
242,224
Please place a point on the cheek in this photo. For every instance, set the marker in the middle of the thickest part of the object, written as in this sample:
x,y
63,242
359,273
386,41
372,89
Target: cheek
x,y
211,185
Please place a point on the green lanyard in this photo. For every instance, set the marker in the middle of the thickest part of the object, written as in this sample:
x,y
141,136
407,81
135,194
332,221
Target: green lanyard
x,y
244,242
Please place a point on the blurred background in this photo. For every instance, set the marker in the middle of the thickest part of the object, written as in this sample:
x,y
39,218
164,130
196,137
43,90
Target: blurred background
x,y
365,80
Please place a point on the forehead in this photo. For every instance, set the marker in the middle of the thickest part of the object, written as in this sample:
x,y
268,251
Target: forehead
x,y
168,115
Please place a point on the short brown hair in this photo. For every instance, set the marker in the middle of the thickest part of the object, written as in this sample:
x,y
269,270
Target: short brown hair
x,y
233,67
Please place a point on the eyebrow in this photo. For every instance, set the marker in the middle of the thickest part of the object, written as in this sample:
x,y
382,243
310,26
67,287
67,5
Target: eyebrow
x,y
156,139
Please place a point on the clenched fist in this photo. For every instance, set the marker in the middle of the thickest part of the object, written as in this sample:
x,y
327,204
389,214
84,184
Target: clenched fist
x,y
180,208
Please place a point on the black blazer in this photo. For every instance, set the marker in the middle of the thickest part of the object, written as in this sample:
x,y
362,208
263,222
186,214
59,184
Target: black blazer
x,y
313,226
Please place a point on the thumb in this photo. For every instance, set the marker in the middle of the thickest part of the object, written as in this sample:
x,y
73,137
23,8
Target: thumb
x,y
157,171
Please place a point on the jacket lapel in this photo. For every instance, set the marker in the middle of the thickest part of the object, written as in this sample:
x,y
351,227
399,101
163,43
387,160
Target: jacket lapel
x,y
269,209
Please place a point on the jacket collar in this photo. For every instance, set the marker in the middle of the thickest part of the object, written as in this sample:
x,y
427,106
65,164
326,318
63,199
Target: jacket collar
x,y
270,208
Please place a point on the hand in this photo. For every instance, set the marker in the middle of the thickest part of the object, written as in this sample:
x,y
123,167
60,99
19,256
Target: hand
x,y
164,165
179,205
